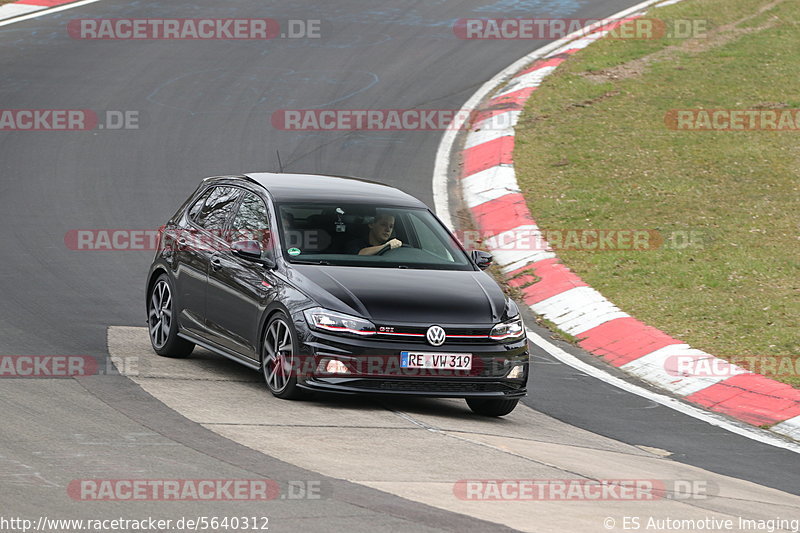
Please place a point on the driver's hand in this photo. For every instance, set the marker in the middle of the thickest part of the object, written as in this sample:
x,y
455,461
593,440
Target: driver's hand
x,y
395,243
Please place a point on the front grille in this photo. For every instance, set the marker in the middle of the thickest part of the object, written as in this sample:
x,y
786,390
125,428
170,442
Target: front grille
x,y
417,334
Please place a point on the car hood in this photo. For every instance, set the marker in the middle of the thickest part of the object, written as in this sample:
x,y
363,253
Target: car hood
x,y
390,295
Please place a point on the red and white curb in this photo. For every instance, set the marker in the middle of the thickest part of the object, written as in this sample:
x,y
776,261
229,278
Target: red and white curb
x,y
492,194
25,9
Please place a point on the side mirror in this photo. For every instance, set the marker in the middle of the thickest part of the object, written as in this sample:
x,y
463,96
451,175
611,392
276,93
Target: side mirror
x,y
482,259
253,251
247,249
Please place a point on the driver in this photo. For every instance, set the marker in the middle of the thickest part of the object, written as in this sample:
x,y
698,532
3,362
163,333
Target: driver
x,y
379,237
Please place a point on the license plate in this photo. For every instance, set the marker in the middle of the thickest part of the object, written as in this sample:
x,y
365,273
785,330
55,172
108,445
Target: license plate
x,y
449,361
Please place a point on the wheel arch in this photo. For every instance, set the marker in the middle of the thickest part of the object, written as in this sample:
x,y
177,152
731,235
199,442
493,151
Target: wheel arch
x,y
269,312
155,273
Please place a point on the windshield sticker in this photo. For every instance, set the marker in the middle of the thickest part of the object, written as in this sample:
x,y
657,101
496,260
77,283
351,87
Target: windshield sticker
x,y
293,251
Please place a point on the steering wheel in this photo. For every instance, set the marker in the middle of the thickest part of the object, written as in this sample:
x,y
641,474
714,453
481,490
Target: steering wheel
x,y
388,248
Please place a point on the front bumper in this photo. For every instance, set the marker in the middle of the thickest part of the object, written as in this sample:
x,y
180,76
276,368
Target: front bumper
x,y
440,388
374,367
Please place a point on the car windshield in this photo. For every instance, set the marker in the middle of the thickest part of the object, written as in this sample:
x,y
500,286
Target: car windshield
x,y
369,236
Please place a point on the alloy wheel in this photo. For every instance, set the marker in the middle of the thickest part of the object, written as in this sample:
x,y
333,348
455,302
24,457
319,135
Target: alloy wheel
x,y
159,314
278,356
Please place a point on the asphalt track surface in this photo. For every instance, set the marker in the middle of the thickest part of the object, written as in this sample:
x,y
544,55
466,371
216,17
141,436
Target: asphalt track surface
x,y
205,110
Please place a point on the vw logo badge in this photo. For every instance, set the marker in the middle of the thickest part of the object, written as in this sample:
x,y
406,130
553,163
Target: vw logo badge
x,y
436,335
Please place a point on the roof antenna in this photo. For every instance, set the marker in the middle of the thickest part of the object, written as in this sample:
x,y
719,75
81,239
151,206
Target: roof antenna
x,y
280,165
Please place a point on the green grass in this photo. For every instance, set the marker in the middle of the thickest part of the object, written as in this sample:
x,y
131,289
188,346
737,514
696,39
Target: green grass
x,y
735,291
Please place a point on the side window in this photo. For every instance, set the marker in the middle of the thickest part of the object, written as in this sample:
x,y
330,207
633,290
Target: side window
x,y
198,205
252,221
217,207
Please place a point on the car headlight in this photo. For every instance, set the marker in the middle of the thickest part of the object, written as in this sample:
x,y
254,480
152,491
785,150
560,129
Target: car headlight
x,y
333,322
511,330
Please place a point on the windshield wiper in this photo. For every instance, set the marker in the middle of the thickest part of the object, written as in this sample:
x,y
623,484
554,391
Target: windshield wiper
x,y
301,262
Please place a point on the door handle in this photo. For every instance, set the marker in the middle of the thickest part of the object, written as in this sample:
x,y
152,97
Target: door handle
x,y
216,264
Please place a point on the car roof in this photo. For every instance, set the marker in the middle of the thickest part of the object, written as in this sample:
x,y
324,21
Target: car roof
x,y
314,188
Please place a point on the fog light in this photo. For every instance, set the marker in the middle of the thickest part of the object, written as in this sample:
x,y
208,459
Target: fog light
x,y
335,366
517,372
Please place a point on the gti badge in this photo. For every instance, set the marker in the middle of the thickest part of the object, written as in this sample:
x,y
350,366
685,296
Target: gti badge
x,y
435,335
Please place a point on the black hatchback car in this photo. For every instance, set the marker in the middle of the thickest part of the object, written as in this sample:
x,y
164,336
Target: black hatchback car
x,y
334,284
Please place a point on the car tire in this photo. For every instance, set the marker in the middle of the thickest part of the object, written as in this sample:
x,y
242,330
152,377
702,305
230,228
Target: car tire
x,y
279,358
491,406
162,324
